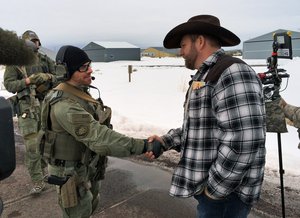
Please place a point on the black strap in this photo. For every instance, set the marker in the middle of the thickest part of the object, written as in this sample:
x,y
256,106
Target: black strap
x,y
220,66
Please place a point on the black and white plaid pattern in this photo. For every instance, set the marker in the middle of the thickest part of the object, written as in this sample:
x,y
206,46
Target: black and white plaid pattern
x,y
222,140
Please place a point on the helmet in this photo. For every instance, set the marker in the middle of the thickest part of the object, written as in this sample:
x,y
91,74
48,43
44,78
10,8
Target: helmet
x,y
30,35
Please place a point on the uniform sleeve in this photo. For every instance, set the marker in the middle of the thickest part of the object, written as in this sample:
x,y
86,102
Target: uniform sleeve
x,y
99,138
239,108
292,113
13,80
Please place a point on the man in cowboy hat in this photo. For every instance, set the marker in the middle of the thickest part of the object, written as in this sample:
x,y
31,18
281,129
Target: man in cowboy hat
x,y
222,139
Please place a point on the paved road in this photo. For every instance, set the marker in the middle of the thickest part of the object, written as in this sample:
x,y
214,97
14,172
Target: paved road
x,y
129,190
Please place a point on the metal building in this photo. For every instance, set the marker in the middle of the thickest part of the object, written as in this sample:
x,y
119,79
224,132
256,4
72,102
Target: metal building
x,y
159,52
105,51
261,46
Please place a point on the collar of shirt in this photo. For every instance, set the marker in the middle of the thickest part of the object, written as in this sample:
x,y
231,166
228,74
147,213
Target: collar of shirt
x,y
210,61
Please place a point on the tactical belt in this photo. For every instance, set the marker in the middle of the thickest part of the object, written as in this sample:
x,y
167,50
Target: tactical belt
x,y
64,163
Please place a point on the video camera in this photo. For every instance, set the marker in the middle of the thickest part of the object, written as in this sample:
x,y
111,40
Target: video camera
x,y
282,48
275,118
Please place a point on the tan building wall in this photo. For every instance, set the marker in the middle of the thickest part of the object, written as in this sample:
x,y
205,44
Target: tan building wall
x,y
152,52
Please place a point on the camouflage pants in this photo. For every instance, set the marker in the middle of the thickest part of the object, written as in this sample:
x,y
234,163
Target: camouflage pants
x,y
82,210
87,201
33,160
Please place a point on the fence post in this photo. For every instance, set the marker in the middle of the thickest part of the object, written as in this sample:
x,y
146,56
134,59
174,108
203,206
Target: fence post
x,y
129,72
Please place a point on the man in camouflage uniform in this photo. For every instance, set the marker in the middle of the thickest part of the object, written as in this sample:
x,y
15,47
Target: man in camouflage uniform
x,y
292,113
31,84
78,136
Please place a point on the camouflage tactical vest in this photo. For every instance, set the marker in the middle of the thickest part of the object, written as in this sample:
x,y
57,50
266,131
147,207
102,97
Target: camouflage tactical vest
x,y
43,65
63,146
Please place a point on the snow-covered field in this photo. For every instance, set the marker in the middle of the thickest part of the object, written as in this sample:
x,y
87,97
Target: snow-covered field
x,y
152,103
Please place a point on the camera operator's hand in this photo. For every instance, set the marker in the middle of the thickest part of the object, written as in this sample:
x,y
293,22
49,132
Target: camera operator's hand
x,y
154,147
40,78
298,130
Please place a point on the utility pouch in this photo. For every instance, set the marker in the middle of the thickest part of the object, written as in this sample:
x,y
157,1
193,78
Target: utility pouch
x,y
41,141
47,148
32,109
105,116
68,193
27,125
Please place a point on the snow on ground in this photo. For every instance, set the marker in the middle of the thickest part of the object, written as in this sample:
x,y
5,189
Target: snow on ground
x,y
152,103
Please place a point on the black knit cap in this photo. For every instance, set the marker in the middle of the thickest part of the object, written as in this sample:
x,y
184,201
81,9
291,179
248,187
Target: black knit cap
x,y
72,57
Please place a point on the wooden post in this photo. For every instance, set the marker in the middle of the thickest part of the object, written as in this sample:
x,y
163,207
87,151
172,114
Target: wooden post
x,y
129,72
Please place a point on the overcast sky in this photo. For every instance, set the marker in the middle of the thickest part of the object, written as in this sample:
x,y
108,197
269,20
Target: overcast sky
x,y
140,22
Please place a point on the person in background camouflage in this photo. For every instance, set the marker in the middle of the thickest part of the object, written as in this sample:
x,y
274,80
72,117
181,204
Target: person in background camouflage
x,y
31,83
292,113
78,136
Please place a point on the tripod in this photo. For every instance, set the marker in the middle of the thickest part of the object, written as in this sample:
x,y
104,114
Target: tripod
x,y
281,172
272,79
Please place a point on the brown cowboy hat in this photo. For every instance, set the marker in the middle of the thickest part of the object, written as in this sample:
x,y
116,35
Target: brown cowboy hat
x,y
201,24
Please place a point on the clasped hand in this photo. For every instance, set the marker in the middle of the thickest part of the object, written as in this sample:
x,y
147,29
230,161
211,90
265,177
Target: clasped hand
x,y
154,147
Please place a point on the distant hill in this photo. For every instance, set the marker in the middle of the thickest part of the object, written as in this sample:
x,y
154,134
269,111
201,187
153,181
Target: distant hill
x,y
51,54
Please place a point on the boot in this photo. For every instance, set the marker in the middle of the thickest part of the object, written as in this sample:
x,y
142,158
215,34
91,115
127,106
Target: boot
x,y
37,188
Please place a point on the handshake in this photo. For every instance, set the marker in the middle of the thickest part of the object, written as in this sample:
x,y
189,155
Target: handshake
x,y
153,147
40,78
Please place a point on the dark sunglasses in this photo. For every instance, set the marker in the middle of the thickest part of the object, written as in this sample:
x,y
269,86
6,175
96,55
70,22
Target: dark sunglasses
x,y
84,67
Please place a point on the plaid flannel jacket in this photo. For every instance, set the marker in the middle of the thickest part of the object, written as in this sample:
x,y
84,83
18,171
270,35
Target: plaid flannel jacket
x,y
222,140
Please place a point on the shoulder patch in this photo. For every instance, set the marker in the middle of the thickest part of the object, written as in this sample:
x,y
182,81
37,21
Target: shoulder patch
x,y
81,131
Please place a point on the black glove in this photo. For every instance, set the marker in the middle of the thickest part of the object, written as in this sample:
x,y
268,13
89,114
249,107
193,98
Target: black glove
x,y
155,146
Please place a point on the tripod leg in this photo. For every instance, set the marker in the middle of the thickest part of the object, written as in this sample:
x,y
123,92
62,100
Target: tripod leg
x,y
281,172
